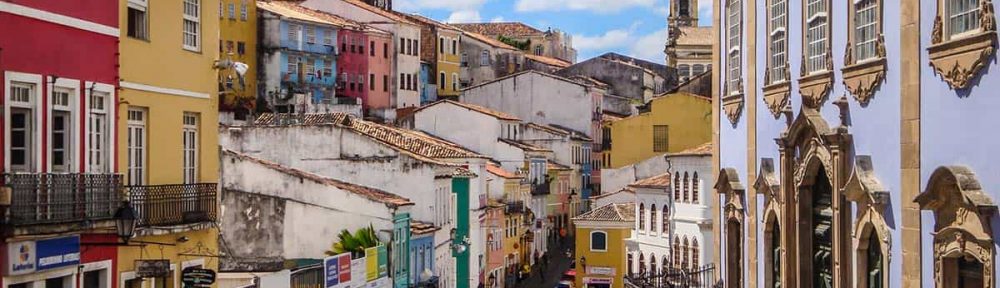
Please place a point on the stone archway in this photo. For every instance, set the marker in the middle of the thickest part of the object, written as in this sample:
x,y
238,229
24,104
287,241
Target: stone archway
x,y
964,249
728,184
871,232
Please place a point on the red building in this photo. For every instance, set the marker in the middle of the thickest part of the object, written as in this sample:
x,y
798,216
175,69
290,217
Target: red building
x,y
59,71
364,66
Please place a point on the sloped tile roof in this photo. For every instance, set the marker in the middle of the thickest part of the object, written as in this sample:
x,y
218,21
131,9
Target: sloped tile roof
x,y
658,181
499,28
274,119
700,150
524,146
490,112
695,36
428,21
613,212
380,12
589,81
499,171
294,11
625,189
421,228
372,194
556,166
488,40
558,63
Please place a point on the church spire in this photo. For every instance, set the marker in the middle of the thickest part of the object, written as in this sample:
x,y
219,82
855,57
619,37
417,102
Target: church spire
x,y
683,13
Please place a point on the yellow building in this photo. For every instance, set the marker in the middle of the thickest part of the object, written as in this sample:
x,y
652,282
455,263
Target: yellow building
x,y
672,123
441,45
238,43
600,245
169,136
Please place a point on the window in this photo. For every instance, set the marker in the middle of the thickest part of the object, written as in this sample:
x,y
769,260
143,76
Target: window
x,y
385,50
222,9
293,34
873,263
192,25
441,81
484,58
774,241
232,11
652,218
598,241
416,47
138,19
697,69
734,22
328,38
776,43
441,45
684,8
685,256
241,48
641,217
22,127
371,82
327,68
311,35
963,16
694,253
865,29
677,186
97,133
308,67
694,188
642,264
190,137
61,134
454,83
660,138
676,251
683,71
371,49
385,83
816,35
652,264
293,64
243,10
465,60
687,188
539,49
454,47
664,220
136,146
630,264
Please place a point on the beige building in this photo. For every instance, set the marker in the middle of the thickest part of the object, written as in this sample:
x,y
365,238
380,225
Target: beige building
x,y
549,43
689,46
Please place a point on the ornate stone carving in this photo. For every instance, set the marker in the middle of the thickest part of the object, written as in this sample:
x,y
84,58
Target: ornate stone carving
x,y
728,184
815,88
959,60
962,228
733,106
776,97
862,79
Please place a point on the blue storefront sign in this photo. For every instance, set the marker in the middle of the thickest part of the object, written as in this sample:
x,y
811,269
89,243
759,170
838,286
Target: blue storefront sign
x,y
31,256
331,271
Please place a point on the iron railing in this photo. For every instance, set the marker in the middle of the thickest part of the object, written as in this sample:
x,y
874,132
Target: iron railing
x,y
701,277
515,207
175,204
49,198
541,188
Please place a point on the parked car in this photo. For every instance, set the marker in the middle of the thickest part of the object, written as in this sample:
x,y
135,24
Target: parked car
x,y
565,284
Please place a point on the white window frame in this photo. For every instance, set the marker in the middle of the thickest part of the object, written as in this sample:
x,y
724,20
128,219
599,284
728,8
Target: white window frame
x,y
34,154
231,8
191,138
310,34
244,10
734,22
454,81
866,48
972,15
142,5
196,20
72,87
484,58
96,266
136,167
777,39
591,241
817,38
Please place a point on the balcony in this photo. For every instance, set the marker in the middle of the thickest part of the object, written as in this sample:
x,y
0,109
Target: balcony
x,y
48,198
175,204
515,207
542,188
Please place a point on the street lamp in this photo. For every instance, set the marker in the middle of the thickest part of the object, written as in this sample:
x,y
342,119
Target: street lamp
x,y
461,246
125,220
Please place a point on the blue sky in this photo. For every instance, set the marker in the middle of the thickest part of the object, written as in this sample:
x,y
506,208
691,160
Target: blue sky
x,y
631,27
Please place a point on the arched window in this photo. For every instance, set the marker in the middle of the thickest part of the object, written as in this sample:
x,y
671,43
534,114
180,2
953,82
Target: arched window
x,y
684,254
694,253
694,188
641,218
631,264
652,218
683,8
874,272
665,221
598,241
642,264
539,50
687,188
664,265
652,264
677,252
683,71
697,69
677,186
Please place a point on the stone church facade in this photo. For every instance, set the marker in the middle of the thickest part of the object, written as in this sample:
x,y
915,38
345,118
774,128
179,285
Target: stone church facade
x,y
853,143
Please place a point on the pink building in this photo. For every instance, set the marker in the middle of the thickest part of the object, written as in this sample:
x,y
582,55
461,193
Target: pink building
x,y
364,67
380,63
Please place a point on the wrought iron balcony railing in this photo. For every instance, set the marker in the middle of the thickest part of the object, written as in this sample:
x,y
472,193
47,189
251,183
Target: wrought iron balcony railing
x,y
50,198
541,188
515,207
175,204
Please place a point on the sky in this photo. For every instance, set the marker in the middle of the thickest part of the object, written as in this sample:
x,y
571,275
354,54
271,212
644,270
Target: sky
x,y
630,27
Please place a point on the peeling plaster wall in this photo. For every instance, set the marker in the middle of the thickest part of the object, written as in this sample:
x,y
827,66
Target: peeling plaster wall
x,y
270,213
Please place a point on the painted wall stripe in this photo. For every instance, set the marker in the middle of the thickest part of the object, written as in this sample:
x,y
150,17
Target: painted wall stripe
x,y
155,89
58,19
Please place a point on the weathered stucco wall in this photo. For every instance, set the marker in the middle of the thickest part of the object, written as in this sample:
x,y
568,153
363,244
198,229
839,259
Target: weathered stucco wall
x,y
539,98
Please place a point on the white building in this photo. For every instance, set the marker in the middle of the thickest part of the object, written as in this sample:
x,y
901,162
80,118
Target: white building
x,y
673,220
405,34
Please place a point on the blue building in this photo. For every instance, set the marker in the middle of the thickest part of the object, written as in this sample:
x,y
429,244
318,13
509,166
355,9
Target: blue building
x,y
422,254
854,143
298,55
428,93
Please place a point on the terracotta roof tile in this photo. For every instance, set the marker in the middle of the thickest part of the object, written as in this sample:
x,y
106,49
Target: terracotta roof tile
x,y
428,21
625,189
658,181
499,28
613,212
558,63
421,228
700,150
499,171
372,194
488,40
273,119
376,10
556,166
293,10
524,146
490,112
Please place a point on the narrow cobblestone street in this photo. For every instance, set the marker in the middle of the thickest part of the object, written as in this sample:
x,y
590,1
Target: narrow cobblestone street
x,y
559,262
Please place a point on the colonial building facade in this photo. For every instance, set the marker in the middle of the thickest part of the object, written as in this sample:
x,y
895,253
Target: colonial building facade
x,y
689,46
857,158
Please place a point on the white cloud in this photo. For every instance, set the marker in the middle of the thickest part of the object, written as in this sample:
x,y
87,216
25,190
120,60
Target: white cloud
x,y
497,19
612,39
649,47
464,16
705,12
596,6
